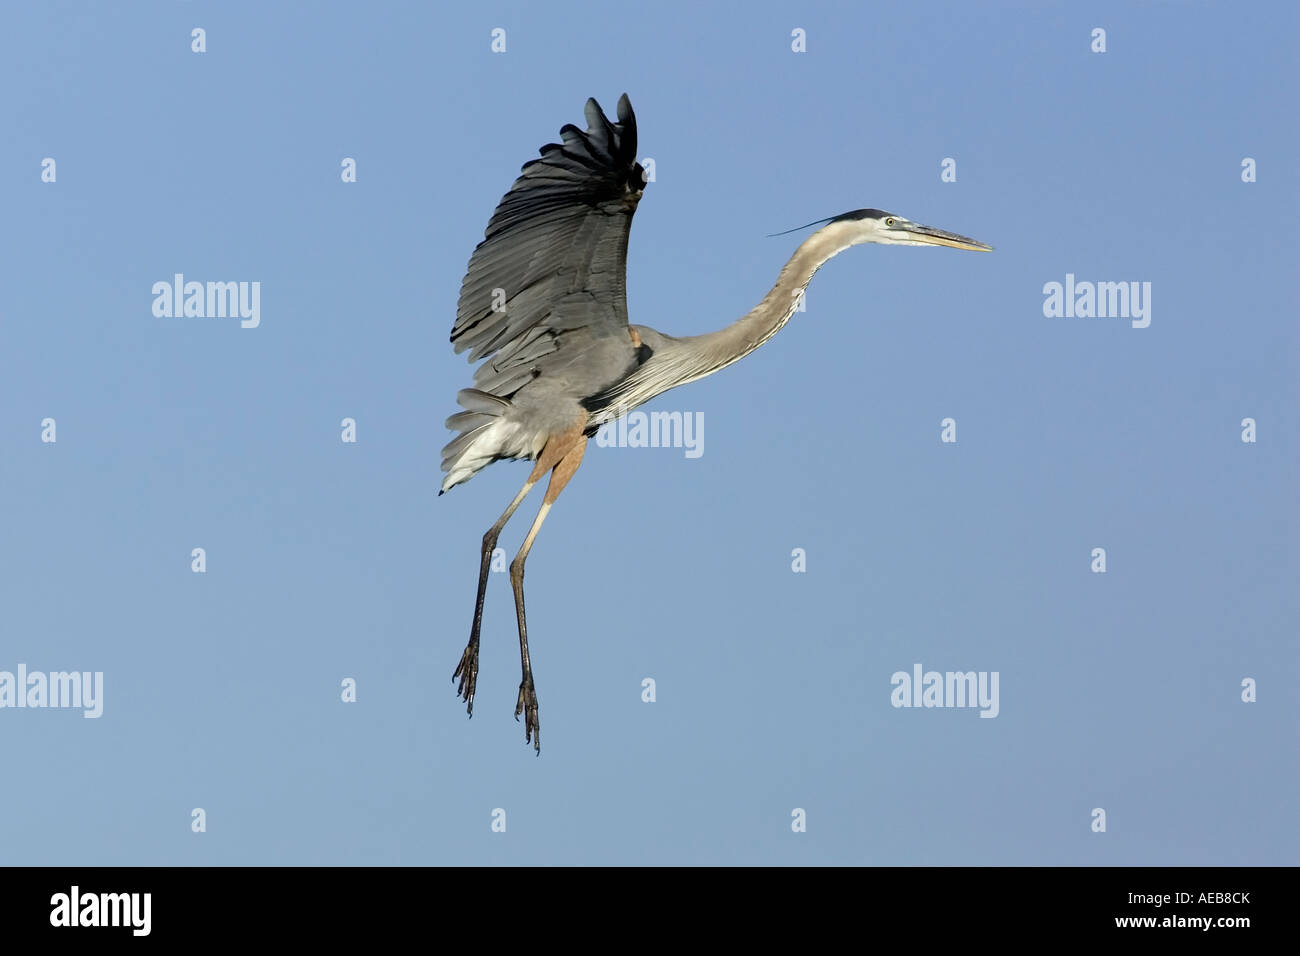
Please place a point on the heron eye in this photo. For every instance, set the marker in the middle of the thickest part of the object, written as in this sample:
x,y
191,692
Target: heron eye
x,y
889,221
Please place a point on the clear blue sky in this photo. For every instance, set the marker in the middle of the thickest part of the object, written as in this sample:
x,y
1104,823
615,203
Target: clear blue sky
x,y
328,560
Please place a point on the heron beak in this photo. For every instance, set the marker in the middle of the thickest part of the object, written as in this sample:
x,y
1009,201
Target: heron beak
x,y
930,236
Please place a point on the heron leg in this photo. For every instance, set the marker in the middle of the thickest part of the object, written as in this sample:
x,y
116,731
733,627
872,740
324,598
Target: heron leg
x,y
467,669
571,445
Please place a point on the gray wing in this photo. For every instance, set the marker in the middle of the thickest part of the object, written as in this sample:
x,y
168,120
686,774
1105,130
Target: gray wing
x,y
556,249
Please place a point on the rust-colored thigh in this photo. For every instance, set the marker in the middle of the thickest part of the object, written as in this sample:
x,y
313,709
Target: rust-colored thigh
x,y
558,445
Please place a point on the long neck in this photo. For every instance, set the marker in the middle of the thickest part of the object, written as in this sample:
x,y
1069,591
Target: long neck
x,y
717,350
678,361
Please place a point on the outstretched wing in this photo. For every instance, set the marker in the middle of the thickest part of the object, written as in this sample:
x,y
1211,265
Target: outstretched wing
x,y
555,253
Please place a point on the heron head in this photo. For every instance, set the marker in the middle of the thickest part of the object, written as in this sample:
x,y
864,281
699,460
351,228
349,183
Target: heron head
x,y
876,225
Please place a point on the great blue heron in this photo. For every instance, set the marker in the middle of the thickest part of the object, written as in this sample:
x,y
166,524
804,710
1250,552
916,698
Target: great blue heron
x,y
543,302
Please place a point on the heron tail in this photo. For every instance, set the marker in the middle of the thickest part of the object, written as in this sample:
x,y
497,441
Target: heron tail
x,y
479,442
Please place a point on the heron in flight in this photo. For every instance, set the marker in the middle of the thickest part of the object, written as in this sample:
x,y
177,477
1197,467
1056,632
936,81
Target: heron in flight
x,y
543,306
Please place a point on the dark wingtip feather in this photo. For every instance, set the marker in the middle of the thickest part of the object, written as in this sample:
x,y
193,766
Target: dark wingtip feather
x,y
600,125
627,120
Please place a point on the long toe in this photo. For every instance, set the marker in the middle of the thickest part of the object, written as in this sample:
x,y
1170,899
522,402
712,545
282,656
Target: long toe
x,y
527,705
467,671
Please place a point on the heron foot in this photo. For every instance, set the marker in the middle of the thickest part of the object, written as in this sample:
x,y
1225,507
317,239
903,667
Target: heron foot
x,y
467,671
527,706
